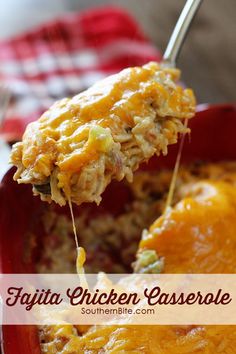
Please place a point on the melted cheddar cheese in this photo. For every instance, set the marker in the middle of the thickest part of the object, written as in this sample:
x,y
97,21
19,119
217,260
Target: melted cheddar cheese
x,y
198,235
142,340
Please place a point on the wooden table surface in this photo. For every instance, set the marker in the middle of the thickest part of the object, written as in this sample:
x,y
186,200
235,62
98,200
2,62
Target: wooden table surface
x,y
208,59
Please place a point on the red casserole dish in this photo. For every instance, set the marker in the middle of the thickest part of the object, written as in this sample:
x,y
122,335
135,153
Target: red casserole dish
x,y
212,139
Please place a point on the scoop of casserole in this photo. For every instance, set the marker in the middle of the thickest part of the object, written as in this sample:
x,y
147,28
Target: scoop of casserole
x,y
80,144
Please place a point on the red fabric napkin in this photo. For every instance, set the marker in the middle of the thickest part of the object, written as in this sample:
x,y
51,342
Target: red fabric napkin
x,y
64,57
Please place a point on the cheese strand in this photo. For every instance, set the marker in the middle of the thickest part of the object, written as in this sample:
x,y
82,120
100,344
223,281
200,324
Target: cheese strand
x,y
81,254
175,172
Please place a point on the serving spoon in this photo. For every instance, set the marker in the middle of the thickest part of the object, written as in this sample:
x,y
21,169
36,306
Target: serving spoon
x,y
180,32
169,60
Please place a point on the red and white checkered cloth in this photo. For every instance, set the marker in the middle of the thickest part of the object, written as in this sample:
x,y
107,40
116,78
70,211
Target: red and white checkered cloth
x,y
64,57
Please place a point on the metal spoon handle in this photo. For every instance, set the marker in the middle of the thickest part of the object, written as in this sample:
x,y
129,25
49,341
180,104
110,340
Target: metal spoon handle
x,y
180,31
